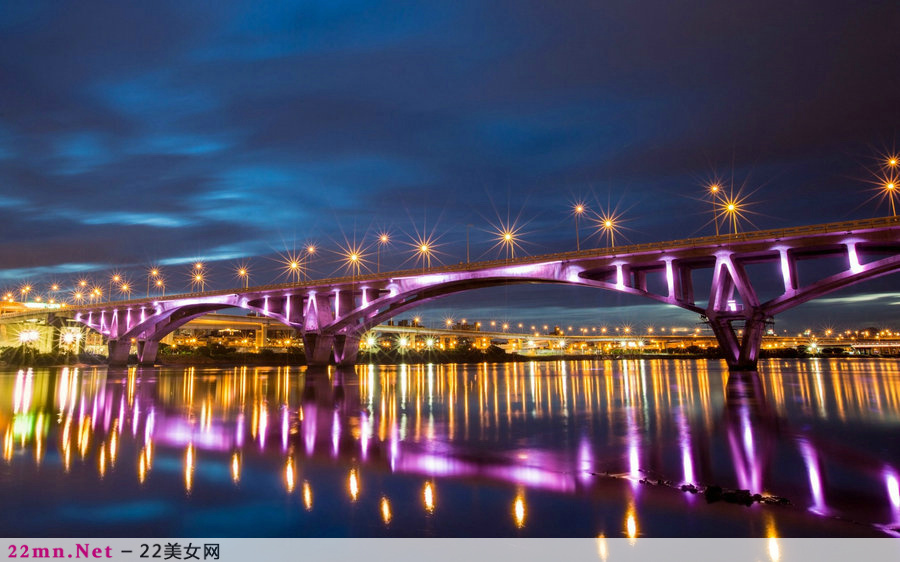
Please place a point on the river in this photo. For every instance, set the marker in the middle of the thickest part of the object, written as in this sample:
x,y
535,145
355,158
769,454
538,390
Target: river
x,y
630,448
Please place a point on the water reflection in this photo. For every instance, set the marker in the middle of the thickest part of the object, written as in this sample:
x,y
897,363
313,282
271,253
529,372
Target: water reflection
x,y
562,428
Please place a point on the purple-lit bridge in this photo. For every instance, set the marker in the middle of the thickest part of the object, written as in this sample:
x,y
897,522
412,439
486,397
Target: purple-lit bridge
x,y
332,314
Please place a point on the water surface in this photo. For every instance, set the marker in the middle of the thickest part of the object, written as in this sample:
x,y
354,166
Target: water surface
x,y
530,449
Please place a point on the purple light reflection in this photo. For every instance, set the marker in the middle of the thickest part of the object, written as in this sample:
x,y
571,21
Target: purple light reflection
x,y
893,487
815,478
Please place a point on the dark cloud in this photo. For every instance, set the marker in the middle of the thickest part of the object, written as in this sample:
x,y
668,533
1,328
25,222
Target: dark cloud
x,y
160,131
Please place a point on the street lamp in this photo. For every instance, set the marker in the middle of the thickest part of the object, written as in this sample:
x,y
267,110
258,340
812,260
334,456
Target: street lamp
x,y
579,210
292,265
310,252
152,273
243,273
714,190
116,278
161,285
890,189
732,209
383,240
198,280
608,223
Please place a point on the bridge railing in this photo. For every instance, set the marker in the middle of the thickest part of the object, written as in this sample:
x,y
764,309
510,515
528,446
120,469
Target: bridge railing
x,y
695,242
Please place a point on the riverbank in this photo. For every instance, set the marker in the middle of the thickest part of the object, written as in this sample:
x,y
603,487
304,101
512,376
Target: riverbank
x,y
19,357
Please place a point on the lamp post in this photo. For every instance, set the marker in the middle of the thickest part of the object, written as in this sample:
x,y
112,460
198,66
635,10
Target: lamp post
x,y
383,240
579,209
310,252
152,273
714,194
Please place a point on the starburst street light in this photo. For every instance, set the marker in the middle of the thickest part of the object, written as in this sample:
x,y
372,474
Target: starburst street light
x,y
890,190
732,209
161,285
243,274
198,280
578,210
125,289
507,238
353,258
311,250
292,265
152,273
384,238
608,224
714,190
115,278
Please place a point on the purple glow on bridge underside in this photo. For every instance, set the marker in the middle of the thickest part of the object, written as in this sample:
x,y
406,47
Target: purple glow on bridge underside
x,y
855,266
365,297
530,270
620,277
786,270
670,279
266,305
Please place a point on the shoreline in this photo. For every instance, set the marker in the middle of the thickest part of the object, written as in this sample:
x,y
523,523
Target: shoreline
x,y
193,361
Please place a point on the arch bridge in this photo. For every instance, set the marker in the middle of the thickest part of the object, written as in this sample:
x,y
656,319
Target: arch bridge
x,y
332,314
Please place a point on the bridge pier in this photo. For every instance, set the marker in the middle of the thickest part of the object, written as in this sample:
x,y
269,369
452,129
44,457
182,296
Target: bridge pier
x,y
346,349
147,352
318,348
741,351
119,350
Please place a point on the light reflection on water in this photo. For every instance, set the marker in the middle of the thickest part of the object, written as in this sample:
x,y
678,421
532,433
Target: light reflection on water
x,y
551,449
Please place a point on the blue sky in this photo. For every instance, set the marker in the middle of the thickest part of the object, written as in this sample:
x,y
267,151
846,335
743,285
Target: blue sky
x,y
168,131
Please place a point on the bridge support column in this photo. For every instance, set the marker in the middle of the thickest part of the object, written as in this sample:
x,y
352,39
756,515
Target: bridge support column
x,y
147,351
346,349
119,350
741,351
318,348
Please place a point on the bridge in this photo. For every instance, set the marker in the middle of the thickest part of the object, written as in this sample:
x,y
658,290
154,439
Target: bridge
x,y
331,315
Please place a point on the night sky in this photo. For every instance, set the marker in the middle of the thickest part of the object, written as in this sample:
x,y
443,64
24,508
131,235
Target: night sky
x,y
165,132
